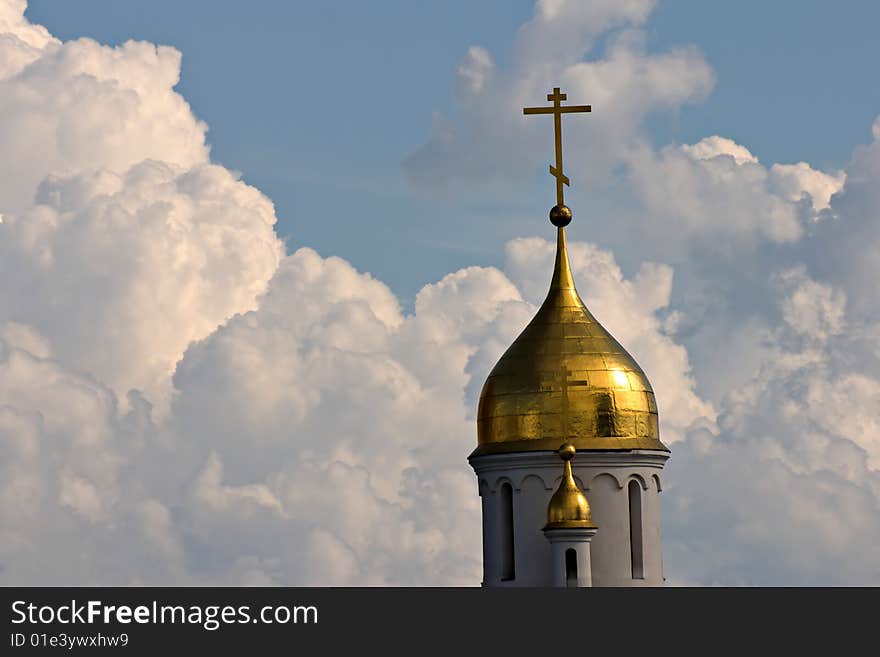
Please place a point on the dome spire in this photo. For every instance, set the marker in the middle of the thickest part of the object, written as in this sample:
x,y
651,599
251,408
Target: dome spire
x,y
565,378
562,280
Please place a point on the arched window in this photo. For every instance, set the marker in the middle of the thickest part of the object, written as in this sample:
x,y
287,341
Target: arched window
x,y
508,567
635,530
571,567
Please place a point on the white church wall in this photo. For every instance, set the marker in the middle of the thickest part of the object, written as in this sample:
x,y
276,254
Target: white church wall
x,y
604,477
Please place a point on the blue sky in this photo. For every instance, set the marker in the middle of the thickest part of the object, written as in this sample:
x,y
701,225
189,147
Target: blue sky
x,y
317,104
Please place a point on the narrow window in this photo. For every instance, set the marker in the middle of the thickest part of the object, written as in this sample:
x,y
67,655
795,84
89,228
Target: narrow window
x,y
635,530
571,567
508,570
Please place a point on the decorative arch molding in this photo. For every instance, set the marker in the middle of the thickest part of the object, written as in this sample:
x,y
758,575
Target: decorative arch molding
x,y
500,481
634,476
518,483
613,476
550,481
536,476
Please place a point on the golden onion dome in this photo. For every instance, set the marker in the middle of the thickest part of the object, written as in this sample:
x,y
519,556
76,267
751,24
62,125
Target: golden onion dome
x,y
568,507
566,379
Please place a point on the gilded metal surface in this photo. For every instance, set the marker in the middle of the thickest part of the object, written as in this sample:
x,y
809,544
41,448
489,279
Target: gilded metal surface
x,y
566,379
568,507
560,216
557,111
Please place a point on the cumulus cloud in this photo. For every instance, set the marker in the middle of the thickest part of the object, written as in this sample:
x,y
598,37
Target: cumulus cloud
x,y
21,41
794,181
697,193
845,249
711,147
473,71
69,106
488,139
795,462
120,242
181,402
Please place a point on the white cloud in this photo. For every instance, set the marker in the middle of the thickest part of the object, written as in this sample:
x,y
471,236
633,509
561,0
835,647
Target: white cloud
x,y
20,40
696,193
811,309
796,180
789,483
113,216
711,147
81,106
845,249
138,265
489,140
564,30
473,71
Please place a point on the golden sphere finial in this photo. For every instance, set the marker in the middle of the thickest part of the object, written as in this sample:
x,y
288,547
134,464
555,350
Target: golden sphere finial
x,y
566,451
560,215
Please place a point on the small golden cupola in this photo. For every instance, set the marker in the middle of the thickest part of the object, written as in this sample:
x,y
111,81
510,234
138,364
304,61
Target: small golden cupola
x,y
568,507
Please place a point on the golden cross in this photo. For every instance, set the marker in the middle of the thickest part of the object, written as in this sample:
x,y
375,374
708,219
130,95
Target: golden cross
x,y
557,111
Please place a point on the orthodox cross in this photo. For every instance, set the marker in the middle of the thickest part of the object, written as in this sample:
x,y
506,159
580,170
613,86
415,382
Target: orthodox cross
x,y
557,111
564,373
